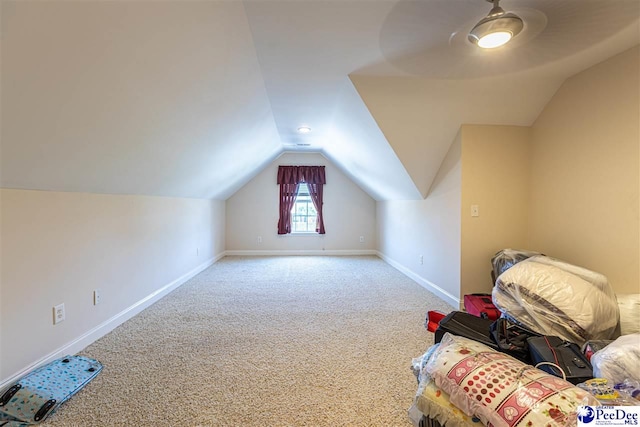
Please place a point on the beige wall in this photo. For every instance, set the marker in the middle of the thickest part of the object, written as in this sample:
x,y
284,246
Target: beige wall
x,y
568,186
585,172
59,247
252,212
431,228
485,166
495,176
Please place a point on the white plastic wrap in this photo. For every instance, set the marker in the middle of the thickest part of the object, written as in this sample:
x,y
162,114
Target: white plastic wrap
x,y
552,297
630,387
629,305
507,258
619,361
501,390
418,364
603,390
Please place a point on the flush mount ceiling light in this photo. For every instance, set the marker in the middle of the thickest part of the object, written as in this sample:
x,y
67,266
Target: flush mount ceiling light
x,y
495,29
304,129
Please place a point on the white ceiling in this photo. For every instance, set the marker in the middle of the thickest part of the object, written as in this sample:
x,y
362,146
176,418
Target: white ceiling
x,y
193,99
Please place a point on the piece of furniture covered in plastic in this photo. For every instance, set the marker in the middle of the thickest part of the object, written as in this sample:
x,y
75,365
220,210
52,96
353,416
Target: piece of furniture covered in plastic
x,y
619,361
629,305
498,389
552,297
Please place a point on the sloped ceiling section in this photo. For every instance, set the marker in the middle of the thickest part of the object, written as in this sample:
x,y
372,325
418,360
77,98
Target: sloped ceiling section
x,y
160,98
194,98
418,75
306,51
421,117
355,142
441,81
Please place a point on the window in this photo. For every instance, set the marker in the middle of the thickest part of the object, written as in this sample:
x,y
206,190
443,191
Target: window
x,y
303,214
308,182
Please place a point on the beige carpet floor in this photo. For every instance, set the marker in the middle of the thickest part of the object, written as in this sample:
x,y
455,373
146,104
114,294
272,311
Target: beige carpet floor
x,y
264,341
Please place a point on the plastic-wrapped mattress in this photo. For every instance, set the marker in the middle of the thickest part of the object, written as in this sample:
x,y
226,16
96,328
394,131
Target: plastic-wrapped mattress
x,y
552,297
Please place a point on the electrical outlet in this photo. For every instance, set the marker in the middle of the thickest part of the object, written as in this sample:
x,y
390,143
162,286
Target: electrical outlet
x,y
97,297
421,260
259,239
58,313
361,239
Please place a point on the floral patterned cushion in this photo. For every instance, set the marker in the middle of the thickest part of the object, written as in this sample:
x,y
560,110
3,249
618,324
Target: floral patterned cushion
x,y
500,390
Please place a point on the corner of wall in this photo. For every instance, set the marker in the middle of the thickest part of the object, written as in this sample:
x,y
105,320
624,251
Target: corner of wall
x,y
494,200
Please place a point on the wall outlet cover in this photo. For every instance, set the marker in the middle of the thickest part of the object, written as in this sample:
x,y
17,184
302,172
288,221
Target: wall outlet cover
x,y
97,297
58,313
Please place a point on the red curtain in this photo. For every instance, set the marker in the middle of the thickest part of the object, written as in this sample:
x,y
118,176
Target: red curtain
x,y
288,195
297,174
289,177
315,191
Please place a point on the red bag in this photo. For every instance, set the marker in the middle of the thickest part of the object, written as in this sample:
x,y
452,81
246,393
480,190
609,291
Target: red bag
x,y
481,305
433,320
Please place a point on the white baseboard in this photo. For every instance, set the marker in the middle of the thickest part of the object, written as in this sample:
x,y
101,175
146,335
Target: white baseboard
x,y
107,326
431,287
335,252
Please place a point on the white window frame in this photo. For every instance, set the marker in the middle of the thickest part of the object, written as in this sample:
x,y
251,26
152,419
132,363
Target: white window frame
x,y
303,196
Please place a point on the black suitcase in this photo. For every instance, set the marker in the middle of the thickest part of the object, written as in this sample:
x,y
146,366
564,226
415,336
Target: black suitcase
x,y
547,351
468,326
512,338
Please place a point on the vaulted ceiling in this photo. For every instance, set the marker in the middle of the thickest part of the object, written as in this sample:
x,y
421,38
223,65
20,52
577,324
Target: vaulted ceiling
x,y
193,99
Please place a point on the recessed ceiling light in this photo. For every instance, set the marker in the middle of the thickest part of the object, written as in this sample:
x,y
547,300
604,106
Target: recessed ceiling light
x,y
495,29
304,129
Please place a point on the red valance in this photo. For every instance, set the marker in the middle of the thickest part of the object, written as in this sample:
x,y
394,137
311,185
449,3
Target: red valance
x,y
298,174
